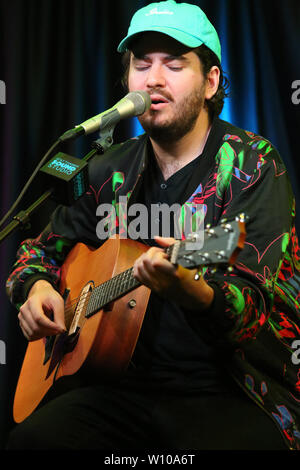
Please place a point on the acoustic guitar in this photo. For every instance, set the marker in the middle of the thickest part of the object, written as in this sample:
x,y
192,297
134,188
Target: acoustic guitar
x,y
105,307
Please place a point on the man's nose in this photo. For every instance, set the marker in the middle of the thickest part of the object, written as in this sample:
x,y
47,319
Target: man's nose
x,y
155,77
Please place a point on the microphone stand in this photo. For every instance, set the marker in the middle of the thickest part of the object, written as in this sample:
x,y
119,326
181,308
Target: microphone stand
x,y
22,219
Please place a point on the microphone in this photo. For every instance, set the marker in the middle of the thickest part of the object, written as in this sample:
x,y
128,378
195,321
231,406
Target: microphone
x,y
133,104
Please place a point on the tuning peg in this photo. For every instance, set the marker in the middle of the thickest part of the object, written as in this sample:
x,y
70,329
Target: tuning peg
x,y
210,232
227,227
205,256
220,254
188,258
241,217
194,237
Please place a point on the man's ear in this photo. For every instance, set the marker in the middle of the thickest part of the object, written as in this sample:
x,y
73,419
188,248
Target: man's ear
x,y
212,82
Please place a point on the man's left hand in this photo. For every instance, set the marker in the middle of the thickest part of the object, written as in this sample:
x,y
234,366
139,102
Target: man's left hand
x,y
154,270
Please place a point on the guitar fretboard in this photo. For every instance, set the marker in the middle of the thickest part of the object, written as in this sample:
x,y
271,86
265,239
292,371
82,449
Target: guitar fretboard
x,y
111,290
116,287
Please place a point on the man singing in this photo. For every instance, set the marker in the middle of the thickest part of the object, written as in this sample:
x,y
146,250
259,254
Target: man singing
x,y
212,368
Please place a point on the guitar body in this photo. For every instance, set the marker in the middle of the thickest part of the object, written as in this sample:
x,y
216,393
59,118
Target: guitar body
x,y
104,342
105,308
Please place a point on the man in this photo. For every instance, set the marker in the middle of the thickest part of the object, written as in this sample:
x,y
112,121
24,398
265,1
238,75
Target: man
x,y
212,368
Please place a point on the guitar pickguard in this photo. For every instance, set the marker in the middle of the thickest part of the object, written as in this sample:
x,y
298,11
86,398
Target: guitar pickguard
x,y
66,342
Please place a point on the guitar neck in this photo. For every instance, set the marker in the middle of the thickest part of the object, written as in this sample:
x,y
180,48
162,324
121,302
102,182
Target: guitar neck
x,y
111,290
116,287
221,246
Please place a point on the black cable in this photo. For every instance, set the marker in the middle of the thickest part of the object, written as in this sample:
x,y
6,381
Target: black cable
x,y
22,193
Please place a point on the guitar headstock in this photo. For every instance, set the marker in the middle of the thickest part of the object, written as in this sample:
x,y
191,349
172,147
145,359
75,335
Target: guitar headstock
x,y
219,245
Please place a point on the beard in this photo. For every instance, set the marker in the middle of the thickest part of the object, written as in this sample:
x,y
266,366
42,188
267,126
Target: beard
x,y
185,115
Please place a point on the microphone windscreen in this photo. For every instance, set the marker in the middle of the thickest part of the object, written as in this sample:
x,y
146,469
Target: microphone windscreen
x,y
141,100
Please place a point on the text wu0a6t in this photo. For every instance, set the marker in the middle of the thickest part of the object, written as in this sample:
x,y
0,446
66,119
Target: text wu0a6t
x,y
2,352
2,92
296,353
296,92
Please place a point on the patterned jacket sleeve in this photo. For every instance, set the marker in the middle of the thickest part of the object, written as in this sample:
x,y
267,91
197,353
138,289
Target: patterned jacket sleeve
x,y
252,179
42,258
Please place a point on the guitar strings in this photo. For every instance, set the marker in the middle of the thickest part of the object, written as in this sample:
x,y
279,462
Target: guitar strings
x,y
69,311
122,278
82,297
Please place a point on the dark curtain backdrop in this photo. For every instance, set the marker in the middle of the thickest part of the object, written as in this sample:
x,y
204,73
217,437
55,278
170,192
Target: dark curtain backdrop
x,y
59,63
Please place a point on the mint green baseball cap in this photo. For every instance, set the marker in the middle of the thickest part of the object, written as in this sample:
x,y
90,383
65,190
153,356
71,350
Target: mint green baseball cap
x,y
184,22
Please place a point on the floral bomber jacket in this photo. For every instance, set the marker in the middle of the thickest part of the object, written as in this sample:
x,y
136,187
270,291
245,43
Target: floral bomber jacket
x,y
240,173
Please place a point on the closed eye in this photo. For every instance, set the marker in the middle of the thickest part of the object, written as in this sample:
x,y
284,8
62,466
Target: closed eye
x,y
141,67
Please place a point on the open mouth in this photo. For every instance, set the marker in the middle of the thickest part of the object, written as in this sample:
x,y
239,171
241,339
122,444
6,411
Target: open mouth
x,y
158,102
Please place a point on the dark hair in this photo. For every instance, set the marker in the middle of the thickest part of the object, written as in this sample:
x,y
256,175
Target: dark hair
x,y
208,59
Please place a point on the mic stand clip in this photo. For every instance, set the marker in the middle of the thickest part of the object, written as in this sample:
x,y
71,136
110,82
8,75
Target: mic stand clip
x,y
105,139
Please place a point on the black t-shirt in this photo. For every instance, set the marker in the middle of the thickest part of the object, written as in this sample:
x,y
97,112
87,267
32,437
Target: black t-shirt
x,y
170,352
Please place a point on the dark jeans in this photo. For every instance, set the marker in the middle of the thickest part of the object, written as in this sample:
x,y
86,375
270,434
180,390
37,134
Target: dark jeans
x,y
119,417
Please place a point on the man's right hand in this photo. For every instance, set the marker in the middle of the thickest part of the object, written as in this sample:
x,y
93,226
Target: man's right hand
x,y
42,303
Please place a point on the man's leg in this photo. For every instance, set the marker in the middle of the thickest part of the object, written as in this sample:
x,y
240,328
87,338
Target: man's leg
x,y
88,418
216,422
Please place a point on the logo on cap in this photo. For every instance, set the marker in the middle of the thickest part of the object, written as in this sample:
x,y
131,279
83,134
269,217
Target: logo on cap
x,y
156,12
